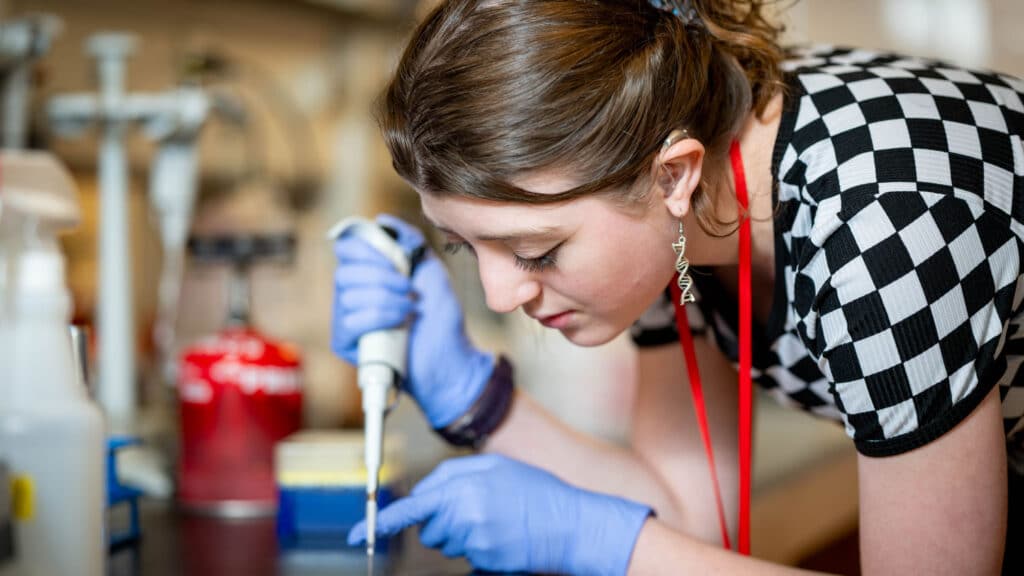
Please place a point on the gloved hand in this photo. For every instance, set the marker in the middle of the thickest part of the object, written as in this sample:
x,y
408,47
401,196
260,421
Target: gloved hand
x,y
445,372
506,516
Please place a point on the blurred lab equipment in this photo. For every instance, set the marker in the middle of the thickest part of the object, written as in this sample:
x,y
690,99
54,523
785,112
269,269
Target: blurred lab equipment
x,y
321,482
121,499
51,434
22,42
80,351
381,363
217,547
6,522
172,191
239,393
172,118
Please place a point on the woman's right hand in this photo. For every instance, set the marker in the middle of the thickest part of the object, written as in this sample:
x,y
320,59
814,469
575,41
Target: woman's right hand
x,y
445,372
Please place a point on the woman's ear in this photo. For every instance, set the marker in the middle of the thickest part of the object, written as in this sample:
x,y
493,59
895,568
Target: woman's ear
x,y
678,172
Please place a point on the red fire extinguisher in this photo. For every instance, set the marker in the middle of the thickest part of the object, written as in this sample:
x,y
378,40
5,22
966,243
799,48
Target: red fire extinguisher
x,y
239,392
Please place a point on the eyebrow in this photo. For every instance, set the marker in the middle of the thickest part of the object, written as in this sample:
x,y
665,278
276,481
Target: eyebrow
x,y
532,232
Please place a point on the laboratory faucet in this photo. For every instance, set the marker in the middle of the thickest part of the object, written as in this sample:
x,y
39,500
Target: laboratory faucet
x,y
173,118
22,42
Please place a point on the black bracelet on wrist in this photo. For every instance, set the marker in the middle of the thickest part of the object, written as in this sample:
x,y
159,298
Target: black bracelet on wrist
x,y
487,413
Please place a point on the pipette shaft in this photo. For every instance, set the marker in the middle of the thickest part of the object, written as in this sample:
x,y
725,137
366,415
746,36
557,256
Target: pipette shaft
x,y
376,381
371,523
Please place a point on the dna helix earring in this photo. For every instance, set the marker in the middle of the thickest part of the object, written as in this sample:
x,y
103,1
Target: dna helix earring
x,y
683,267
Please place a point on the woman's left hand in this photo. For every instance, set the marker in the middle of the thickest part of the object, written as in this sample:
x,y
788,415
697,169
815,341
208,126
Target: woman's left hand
x,y
506,516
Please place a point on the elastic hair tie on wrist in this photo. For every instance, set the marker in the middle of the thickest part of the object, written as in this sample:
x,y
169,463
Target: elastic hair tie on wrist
x,y
488,411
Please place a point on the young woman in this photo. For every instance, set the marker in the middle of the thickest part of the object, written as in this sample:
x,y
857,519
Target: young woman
x,y
583,151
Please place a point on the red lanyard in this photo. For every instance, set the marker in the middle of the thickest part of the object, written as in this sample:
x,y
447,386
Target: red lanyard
x,y
745,383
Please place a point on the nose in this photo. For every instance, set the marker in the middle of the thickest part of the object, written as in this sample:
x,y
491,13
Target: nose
x,y
506,286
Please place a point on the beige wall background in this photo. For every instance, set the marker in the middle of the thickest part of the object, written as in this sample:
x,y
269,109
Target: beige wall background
x,y
984,33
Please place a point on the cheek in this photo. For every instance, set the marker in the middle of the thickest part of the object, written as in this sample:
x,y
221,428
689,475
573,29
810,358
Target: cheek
x,y
622,273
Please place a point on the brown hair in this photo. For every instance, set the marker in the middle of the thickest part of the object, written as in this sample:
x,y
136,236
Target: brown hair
x,y
491,90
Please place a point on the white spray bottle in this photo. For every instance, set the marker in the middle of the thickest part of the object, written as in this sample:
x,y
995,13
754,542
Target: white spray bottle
x,y
52,437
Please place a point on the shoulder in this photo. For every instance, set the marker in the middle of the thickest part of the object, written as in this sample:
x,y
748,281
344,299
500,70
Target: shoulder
x,y
857,118
844,88
904,299
899,247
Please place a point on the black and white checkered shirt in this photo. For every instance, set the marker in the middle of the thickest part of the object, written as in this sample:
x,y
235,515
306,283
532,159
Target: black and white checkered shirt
x,y
899,237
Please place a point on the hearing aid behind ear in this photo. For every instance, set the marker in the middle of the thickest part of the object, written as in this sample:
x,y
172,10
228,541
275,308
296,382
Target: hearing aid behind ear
x,y
665,179
675,136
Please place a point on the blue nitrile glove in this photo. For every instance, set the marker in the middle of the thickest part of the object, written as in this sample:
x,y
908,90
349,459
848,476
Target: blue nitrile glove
x,y
506,516
445,372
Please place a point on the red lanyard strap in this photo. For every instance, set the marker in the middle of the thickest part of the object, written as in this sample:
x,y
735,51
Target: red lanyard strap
x,y
746,400
745,368
686,339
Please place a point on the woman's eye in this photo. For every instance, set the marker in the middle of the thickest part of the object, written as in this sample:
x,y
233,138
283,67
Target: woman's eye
x,y
451,247
538,264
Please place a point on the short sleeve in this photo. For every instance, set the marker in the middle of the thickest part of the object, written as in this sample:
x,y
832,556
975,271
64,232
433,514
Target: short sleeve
x,y
905,303
657,325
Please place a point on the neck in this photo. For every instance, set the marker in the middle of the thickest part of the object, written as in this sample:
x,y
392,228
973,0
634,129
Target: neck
x,y
757,142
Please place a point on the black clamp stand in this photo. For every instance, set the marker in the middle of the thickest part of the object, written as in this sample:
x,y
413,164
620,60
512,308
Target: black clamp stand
x,y
242,251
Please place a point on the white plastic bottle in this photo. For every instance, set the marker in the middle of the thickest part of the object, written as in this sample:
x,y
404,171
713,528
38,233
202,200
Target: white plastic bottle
x,y
52,437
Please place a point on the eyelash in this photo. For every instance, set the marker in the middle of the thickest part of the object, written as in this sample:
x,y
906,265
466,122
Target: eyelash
x,y
539,264
454,247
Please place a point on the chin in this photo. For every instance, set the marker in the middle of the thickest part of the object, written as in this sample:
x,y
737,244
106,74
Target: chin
x,y
590,336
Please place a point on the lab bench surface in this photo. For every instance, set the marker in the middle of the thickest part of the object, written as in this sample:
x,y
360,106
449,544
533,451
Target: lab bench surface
x,y
175,543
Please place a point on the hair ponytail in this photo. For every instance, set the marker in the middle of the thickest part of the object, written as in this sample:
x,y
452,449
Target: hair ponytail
x,y
745,32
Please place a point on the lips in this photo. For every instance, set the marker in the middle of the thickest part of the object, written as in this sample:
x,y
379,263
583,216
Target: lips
x,y
559,320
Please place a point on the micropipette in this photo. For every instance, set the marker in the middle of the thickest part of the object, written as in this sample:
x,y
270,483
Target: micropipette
x,y
381,367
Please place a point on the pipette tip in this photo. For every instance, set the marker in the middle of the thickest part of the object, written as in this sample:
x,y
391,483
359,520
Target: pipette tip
x,y
371,527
